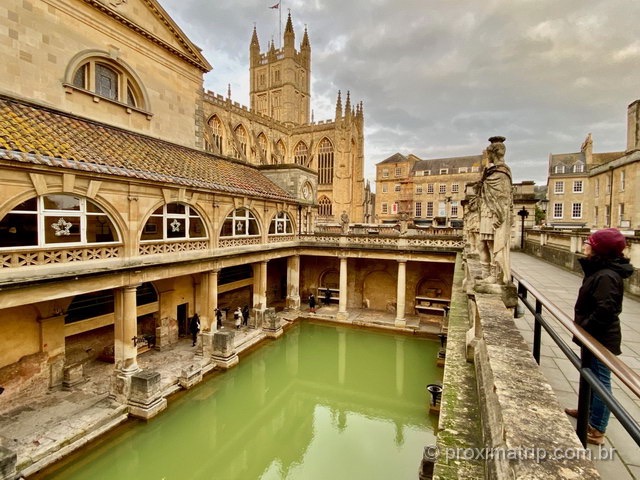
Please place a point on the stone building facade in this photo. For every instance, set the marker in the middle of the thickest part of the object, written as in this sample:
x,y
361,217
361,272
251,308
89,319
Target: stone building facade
x,y
596,190
277,128
119,219
430,192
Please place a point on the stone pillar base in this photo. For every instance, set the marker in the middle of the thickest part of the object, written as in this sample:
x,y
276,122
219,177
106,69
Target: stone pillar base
x,y
293,302
204,345
8,460
190,376
342,316
400,323
145,398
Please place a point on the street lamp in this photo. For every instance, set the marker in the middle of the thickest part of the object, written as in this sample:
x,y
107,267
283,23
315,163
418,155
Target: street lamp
x,y
523,214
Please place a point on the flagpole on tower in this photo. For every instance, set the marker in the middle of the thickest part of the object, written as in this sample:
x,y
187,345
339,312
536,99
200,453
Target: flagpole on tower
x,y
279,7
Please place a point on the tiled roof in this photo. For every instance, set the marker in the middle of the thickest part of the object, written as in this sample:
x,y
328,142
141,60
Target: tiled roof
x,y
395,158
41,136
435,164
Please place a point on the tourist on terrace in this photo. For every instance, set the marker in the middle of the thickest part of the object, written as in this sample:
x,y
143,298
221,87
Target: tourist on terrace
x,y
312,303
597,308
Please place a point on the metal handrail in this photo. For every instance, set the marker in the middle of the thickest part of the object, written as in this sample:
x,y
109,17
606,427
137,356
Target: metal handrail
x,y
590,347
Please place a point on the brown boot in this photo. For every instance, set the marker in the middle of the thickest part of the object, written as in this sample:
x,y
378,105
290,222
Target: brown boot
x,y
594,436
572,412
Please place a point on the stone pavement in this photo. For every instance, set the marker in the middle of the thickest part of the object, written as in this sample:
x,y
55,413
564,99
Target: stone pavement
x,y
42,430
561,287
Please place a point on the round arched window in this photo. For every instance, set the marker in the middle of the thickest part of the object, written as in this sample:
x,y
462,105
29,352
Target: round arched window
x,y
57,219
173,221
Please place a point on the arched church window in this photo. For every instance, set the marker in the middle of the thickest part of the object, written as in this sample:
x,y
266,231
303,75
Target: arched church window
x,y
301,154
241,137
262,145
173,221
281,224
281,152
57,219
324,207
97,73
215,133
325,162
240,223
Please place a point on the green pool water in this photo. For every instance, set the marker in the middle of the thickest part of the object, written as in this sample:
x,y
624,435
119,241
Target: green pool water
x,y
321,402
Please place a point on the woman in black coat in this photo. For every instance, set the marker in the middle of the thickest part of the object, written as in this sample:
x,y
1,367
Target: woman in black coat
x,y
597,308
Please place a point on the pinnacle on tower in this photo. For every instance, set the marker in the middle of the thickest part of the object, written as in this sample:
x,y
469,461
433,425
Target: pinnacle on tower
x,y
347,106
254,39
305,45
339,106
289,36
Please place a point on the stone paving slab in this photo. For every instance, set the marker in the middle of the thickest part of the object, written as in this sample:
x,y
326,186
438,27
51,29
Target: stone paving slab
x,y
561,287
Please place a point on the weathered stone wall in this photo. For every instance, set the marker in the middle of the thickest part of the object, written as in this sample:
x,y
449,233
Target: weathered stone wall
x,y
524,432
27,377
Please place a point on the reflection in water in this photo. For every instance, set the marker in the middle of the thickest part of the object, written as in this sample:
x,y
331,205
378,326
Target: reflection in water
x,y
320,402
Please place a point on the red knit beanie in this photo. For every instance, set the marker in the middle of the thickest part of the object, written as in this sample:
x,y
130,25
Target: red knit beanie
x,y
608,242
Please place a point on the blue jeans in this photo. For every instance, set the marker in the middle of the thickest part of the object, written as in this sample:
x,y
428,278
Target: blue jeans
x,y
599,416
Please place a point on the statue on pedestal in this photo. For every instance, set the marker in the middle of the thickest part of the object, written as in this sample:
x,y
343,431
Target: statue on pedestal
x,y
471,218
344,220
496,206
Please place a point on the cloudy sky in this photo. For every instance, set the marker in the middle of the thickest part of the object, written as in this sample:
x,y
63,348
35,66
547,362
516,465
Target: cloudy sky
x,y
439,77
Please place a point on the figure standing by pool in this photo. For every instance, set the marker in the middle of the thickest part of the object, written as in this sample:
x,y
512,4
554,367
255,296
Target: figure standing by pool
x,y
194,327
312,303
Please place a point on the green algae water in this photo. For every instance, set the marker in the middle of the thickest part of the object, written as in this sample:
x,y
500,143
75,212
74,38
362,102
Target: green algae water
x,y
321,402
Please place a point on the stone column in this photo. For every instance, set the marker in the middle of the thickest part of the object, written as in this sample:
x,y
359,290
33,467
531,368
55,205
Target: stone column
x,y
213,299
342,305
293,282
260,286
126,328
401,294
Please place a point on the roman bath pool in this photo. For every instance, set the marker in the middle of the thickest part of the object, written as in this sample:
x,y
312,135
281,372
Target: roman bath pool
x,y
321,402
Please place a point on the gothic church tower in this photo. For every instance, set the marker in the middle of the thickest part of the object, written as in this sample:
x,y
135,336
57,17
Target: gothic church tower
x,y
281,79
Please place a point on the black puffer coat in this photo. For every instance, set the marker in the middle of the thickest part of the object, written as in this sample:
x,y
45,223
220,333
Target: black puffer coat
x,y
600,299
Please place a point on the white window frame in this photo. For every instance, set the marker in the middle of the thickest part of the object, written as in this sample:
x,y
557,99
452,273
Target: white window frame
x,y
558,187
578,186
558,210
576,210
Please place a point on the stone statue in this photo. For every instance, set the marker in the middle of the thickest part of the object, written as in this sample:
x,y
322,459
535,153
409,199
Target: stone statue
x,y
496,206
344,220
471,218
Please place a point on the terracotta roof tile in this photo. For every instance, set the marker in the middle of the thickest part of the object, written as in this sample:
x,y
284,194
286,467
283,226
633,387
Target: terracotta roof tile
x,y
37,135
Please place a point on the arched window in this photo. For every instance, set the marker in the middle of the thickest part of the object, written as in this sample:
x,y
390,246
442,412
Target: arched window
x,y
324,207
262,145
301,154
281,225
240,223
241,137
57,219
282,151
215,134
171,221
325,162
97,73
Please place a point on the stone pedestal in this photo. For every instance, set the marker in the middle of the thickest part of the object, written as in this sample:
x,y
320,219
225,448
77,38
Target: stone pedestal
x,y
271,324
145,398
162,338
72,375
8,459
224,354
256,318
204,347
190,376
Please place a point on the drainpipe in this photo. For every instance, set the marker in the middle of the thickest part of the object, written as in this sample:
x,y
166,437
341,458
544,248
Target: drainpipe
x,y
610,196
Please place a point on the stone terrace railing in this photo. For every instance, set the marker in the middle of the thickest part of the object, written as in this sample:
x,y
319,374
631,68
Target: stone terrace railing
x,y
49,256
564,248
524,432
